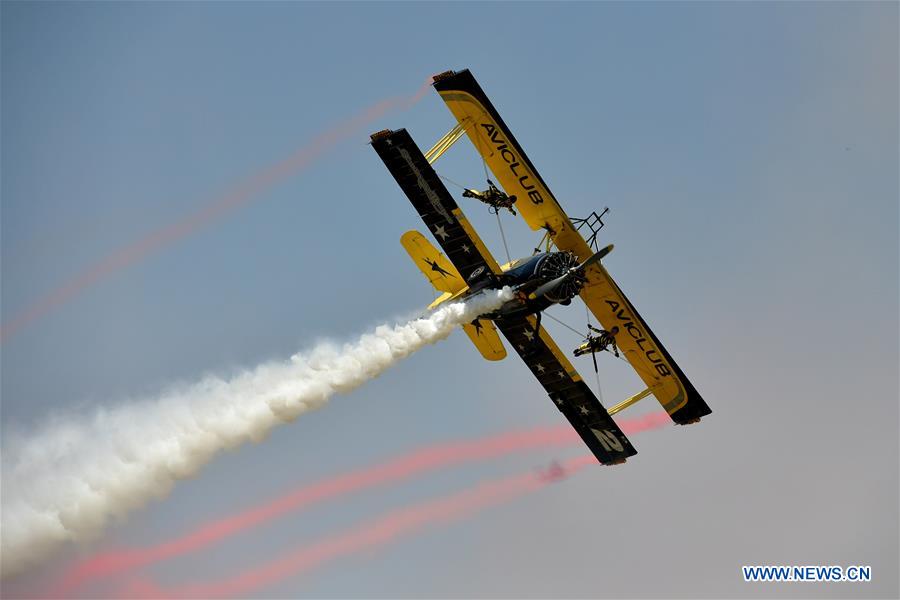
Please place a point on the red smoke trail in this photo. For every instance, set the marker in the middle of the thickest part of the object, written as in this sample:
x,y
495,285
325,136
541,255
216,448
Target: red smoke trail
x,y
417,462
242,194
380,531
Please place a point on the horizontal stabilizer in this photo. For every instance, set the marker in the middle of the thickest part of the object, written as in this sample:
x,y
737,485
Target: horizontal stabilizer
x,y
434,265
484,335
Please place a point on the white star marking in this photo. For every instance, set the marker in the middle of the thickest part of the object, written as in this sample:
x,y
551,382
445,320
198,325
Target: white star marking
x,y
559,401
562,375
466,248
529,335
583,410
439,231
540,368
521,347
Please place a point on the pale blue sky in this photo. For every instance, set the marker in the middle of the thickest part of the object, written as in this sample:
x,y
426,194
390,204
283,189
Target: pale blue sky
x,y
748,153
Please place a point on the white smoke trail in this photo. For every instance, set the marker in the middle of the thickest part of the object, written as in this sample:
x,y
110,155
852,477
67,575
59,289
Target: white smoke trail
x,y
66,481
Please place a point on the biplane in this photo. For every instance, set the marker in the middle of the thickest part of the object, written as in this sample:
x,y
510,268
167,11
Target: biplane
x,y
555,276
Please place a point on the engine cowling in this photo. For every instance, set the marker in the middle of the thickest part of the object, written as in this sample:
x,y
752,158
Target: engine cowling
x,y
556,265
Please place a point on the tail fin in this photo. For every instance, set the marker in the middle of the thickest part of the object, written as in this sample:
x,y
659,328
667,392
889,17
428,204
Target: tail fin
x,y
445,278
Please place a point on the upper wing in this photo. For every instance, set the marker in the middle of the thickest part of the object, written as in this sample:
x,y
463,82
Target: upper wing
x,y
434,203
643,350
506,159
568,391
502,153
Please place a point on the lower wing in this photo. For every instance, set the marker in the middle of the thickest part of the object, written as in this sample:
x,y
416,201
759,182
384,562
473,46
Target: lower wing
x,y
569,392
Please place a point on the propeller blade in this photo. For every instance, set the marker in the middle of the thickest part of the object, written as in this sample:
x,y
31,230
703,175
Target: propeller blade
x,y
550,286
555,283
596,257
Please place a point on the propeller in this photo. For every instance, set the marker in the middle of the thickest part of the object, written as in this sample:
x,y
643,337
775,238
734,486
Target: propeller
x,y
554,284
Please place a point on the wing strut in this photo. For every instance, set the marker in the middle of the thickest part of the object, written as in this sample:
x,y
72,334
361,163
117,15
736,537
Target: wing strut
x,y
626,403
450,138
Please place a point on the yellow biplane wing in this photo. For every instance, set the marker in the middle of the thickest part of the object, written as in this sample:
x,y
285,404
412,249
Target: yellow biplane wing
x,y
504,156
